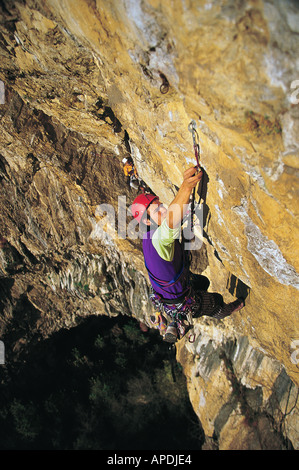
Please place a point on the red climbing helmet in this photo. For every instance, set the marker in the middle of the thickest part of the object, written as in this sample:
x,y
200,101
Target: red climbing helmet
x,y
140,205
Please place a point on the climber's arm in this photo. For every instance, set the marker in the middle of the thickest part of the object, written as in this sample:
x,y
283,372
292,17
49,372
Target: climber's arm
x,y
169,230
178,207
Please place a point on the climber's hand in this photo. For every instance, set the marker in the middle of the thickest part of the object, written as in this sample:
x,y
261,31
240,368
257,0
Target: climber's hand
x,y
192,176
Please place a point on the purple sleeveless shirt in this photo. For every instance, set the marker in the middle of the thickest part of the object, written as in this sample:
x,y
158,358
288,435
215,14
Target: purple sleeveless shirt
x,y
165,270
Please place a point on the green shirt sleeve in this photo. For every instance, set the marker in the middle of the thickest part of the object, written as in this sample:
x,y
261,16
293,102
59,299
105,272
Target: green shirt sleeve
x,y
163,240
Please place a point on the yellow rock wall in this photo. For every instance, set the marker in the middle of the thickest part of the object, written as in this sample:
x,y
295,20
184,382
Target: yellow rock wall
x,y
231,70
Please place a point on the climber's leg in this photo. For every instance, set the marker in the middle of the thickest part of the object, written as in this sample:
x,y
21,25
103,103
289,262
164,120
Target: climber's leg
x,y
228,309
212,305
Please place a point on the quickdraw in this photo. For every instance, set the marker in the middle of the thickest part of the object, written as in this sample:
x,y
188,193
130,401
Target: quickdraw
x,y
192,129
197,152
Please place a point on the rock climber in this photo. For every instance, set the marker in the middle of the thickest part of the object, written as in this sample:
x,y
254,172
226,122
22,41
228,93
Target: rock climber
x,y
175,291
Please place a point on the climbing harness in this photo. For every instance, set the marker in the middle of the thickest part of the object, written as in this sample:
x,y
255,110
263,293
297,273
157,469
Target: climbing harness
x,y
179,313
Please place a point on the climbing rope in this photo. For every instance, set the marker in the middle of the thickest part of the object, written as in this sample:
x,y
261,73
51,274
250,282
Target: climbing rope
x,y
197,153
172,359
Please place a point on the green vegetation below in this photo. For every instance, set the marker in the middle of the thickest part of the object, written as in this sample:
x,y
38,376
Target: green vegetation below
x,y
102,385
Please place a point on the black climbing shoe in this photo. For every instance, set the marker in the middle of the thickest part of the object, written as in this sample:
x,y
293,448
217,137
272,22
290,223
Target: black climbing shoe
x,y
171,334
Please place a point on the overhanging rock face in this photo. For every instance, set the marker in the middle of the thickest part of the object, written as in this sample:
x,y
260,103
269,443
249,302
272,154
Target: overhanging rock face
x,y
88,83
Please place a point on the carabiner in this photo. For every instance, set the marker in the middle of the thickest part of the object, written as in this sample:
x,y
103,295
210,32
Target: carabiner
x,y
192,126
191,338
